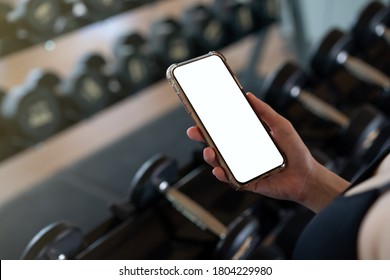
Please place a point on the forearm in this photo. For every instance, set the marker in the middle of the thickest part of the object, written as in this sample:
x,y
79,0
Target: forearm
x,y
321,187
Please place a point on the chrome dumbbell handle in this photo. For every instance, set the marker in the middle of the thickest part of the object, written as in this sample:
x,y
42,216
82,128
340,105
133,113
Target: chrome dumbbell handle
x,y
193,211
319,107
363,71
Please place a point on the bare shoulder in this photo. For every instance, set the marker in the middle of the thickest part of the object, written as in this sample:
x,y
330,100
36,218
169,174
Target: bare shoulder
x,y
373,238
380,177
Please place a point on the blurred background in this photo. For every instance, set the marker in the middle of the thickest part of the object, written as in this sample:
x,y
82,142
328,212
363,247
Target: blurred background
x,y
85,109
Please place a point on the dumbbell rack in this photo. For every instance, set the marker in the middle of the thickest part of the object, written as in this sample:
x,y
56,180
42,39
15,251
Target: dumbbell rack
x,y
55,163
66,16
162,233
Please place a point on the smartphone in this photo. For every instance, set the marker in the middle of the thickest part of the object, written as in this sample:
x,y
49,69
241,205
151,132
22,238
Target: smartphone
x,y
215,100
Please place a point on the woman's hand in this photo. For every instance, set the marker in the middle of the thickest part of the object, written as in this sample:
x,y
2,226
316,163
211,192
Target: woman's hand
x,y
303,180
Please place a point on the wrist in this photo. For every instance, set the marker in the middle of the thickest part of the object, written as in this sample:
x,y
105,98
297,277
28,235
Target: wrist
x,y
321,187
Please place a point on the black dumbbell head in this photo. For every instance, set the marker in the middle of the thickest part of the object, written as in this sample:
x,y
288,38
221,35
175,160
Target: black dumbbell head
x,y
365,124
85,91
133,67
4,10
324,57
92,60
8,31
381,143
41,78
37,15
143,189
371,15
168,42
165,26
242,238
240,17
104,7
8,41
247,16
135,72
31,112
277,86
56,241
204,28
128,43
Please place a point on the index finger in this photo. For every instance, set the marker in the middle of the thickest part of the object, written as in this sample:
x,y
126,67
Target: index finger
x,y
194,134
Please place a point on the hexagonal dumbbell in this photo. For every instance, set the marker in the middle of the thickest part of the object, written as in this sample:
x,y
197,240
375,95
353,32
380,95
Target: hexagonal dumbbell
x,y
86,90
372,24
93,10
57,241
8,39
241,17
6,147
31,112
36,19
133,65
156,178
359,133
204,28
334,51
169,43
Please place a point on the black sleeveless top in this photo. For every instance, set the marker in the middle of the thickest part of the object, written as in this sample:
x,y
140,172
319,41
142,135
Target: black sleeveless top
x,y
333,233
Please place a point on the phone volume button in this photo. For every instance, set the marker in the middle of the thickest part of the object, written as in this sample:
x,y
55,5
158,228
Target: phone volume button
x,y
176,88
184,104
188,111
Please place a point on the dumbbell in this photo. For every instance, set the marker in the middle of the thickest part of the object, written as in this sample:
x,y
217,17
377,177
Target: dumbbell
x,y
57,241
334,51
92,10
240,17
358,132
6,148
5,9
86,90
204,28
157,177
269,249
280,242
31,112
133,66
169,43
8,39
36,19
372,24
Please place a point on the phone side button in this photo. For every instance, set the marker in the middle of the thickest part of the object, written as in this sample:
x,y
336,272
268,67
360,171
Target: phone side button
x,y
184,104
185,107
176,89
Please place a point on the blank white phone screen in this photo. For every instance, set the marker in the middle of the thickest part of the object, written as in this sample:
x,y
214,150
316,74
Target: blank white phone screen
x,y
228,118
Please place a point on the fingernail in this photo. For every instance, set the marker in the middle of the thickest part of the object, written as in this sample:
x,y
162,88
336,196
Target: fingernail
x,y
209,154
